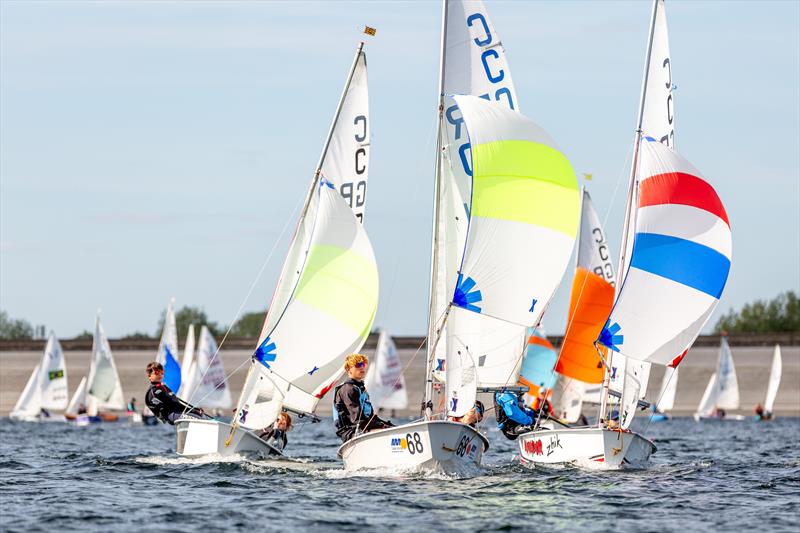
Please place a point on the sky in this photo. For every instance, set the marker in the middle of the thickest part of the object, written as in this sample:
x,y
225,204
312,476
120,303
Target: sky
x,y
151,150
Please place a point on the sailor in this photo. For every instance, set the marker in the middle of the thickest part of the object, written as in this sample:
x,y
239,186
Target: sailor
x,y
165,405
276,435
542,403
513,417
352,410
471,417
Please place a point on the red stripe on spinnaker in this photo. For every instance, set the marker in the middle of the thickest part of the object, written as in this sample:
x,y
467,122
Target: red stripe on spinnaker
x,y
675,362
681,188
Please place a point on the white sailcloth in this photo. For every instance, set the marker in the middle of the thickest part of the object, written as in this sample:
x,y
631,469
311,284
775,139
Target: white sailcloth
x,y
78,399
103,387
774,380
474,63
568,402
385,381
709,399
658,117
209,388
669,386
186,363
29,402
727,383
346,161
53,376
328,316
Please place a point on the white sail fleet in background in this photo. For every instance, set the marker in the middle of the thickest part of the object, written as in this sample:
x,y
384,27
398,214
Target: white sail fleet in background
x,y
508,214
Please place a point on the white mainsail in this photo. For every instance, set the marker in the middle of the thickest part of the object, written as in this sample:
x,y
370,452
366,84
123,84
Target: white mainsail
x,y
473,63
328,286
168,350
186,363
385,381
103,387
29,402
669,387
727,396
207,379
568,403
658,120
53,376
78,399
774,380
346,163
709,399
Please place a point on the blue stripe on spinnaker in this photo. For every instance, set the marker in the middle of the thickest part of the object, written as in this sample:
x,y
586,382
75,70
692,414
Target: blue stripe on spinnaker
x,y
172,371
685,262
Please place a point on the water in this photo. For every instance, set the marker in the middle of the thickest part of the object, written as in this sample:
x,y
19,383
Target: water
x,y
715,475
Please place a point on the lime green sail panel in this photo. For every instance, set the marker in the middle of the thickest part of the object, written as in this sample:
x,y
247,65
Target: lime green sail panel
x,y
524,215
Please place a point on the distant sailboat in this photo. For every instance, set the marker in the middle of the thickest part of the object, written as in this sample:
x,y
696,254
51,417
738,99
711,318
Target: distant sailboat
x,y
168,350
46,388
774,382
722,392
101,391
385,381
207,387
186,364
325,300
666,397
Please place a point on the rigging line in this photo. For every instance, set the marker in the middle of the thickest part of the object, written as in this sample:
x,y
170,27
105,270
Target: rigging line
x,y
244,302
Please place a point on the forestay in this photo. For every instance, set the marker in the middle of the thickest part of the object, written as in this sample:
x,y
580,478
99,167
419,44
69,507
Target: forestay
x,y
474,63
168,350
679,264
328,316
524,199
385,381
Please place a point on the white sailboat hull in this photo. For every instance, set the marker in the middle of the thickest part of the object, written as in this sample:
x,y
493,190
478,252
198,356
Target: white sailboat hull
x,y
196,438
435,445
597,448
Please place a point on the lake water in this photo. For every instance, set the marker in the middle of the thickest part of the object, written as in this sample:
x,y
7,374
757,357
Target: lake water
x,y
714,475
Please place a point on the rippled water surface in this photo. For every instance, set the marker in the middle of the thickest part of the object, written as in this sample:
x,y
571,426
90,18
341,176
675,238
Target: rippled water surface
x,y
714,475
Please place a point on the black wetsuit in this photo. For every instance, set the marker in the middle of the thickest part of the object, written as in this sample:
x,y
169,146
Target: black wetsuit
x,y
166,406
353,411
275,437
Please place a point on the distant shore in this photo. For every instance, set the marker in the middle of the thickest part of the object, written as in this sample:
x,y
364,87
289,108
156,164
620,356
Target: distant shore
x,y
752,367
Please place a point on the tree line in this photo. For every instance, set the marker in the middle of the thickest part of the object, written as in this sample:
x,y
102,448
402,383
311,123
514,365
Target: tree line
x,y
778,315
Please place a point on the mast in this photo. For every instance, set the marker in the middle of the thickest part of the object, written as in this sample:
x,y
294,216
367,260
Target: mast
x,y
629,207
427,407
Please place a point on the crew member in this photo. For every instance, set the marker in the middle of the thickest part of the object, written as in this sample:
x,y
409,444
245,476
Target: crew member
x,y
165,405
276,435
471,417
513,417
352,410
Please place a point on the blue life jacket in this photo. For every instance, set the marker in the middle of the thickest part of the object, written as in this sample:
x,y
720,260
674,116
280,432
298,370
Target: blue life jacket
x,y
509,404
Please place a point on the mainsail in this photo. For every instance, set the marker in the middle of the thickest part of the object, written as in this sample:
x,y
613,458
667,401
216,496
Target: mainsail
x,y
186,363
168,350
669,388
209,388
53,376
384,381
327,295
103,387
523,190
774,380
473,62
29,402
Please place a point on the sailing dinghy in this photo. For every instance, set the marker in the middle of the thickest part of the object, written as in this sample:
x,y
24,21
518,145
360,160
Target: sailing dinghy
x,y
99,394
329,280
46,389
503,192
675,260
669,388
722,391
206,386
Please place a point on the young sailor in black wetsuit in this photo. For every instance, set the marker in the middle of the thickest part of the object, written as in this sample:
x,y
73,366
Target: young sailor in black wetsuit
x,y
276,435
352,410
165,405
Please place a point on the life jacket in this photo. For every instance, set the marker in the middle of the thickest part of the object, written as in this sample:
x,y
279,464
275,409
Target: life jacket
x,y
365,405
509,412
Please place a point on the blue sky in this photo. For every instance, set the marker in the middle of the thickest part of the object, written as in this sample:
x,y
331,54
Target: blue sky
x,y
157,149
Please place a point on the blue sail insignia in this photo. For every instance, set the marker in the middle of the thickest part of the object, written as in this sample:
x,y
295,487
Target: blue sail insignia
x,y
265,353
465,297
609,338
